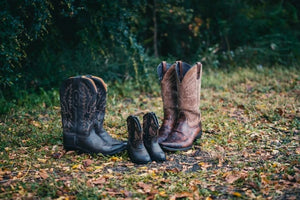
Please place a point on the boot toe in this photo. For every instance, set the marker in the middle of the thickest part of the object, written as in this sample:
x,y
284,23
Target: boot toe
x,y
117,148
155,152
138,155
159,157
176,146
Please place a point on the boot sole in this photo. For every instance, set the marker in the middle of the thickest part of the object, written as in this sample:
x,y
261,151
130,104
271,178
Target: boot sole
x,y
82,150
166,148
70,145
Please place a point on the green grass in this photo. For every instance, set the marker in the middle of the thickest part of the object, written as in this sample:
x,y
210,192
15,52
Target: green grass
x,y
249,149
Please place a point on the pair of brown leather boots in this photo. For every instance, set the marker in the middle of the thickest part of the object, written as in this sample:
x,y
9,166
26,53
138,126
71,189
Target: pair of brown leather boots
x,y
180,89
83,103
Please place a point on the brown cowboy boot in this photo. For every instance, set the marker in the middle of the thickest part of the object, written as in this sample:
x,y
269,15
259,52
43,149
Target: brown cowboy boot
x,y
188,125
167,76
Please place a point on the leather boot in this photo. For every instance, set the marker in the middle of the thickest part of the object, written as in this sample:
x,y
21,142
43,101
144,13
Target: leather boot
x,y
136,149
110,144
188,125
167,76
150,127
78,98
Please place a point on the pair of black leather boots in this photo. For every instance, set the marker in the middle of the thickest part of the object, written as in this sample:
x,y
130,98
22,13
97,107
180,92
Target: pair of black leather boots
x,y
83,103
143,146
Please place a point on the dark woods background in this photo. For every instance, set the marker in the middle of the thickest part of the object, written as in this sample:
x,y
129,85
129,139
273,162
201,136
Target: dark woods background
x,y
46,41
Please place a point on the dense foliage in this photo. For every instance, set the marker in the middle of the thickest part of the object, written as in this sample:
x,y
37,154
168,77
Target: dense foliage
x,y
45,41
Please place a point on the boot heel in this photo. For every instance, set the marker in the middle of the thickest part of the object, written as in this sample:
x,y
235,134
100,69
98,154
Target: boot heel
x,y
69,142
199,135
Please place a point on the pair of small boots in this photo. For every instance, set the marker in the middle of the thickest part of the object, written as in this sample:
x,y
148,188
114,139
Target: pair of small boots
x,y
142,144
180,90
83,103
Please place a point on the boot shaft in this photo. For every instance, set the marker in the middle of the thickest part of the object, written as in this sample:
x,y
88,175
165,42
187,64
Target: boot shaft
x,y
101,102
150,127
188,80
78,100
135,132
167,76
150,137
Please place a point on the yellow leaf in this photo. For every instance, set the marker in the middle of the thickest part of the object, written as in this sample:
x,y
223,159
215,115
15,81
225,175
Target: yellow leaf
x,y
42,160
114,159
36,124
21,190
62,198
75,166
208,198
143,168
7,148
237,194
163,193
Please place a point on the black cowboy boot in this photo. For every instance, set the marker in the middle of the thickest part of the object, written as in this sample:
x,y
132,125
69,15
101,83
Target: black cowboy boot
x,y
136,149
78,98
112,145
150,127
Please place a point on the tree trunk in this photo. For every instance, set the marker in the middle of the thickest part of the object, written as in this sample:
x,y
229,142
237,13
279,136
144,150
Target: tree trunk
x,y
155,30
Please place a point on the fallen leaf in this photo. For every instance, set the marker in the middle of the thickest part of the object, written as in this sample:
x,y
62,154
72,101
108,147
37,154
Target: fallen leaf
x,y
264,180
115,159
298,150
62,198
36,124
7,149
76,166
182,195
237,194
87,162
144,186
204,165
173,170
57,155
43,174
231,177
163,193
99,181
42,160
279,111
